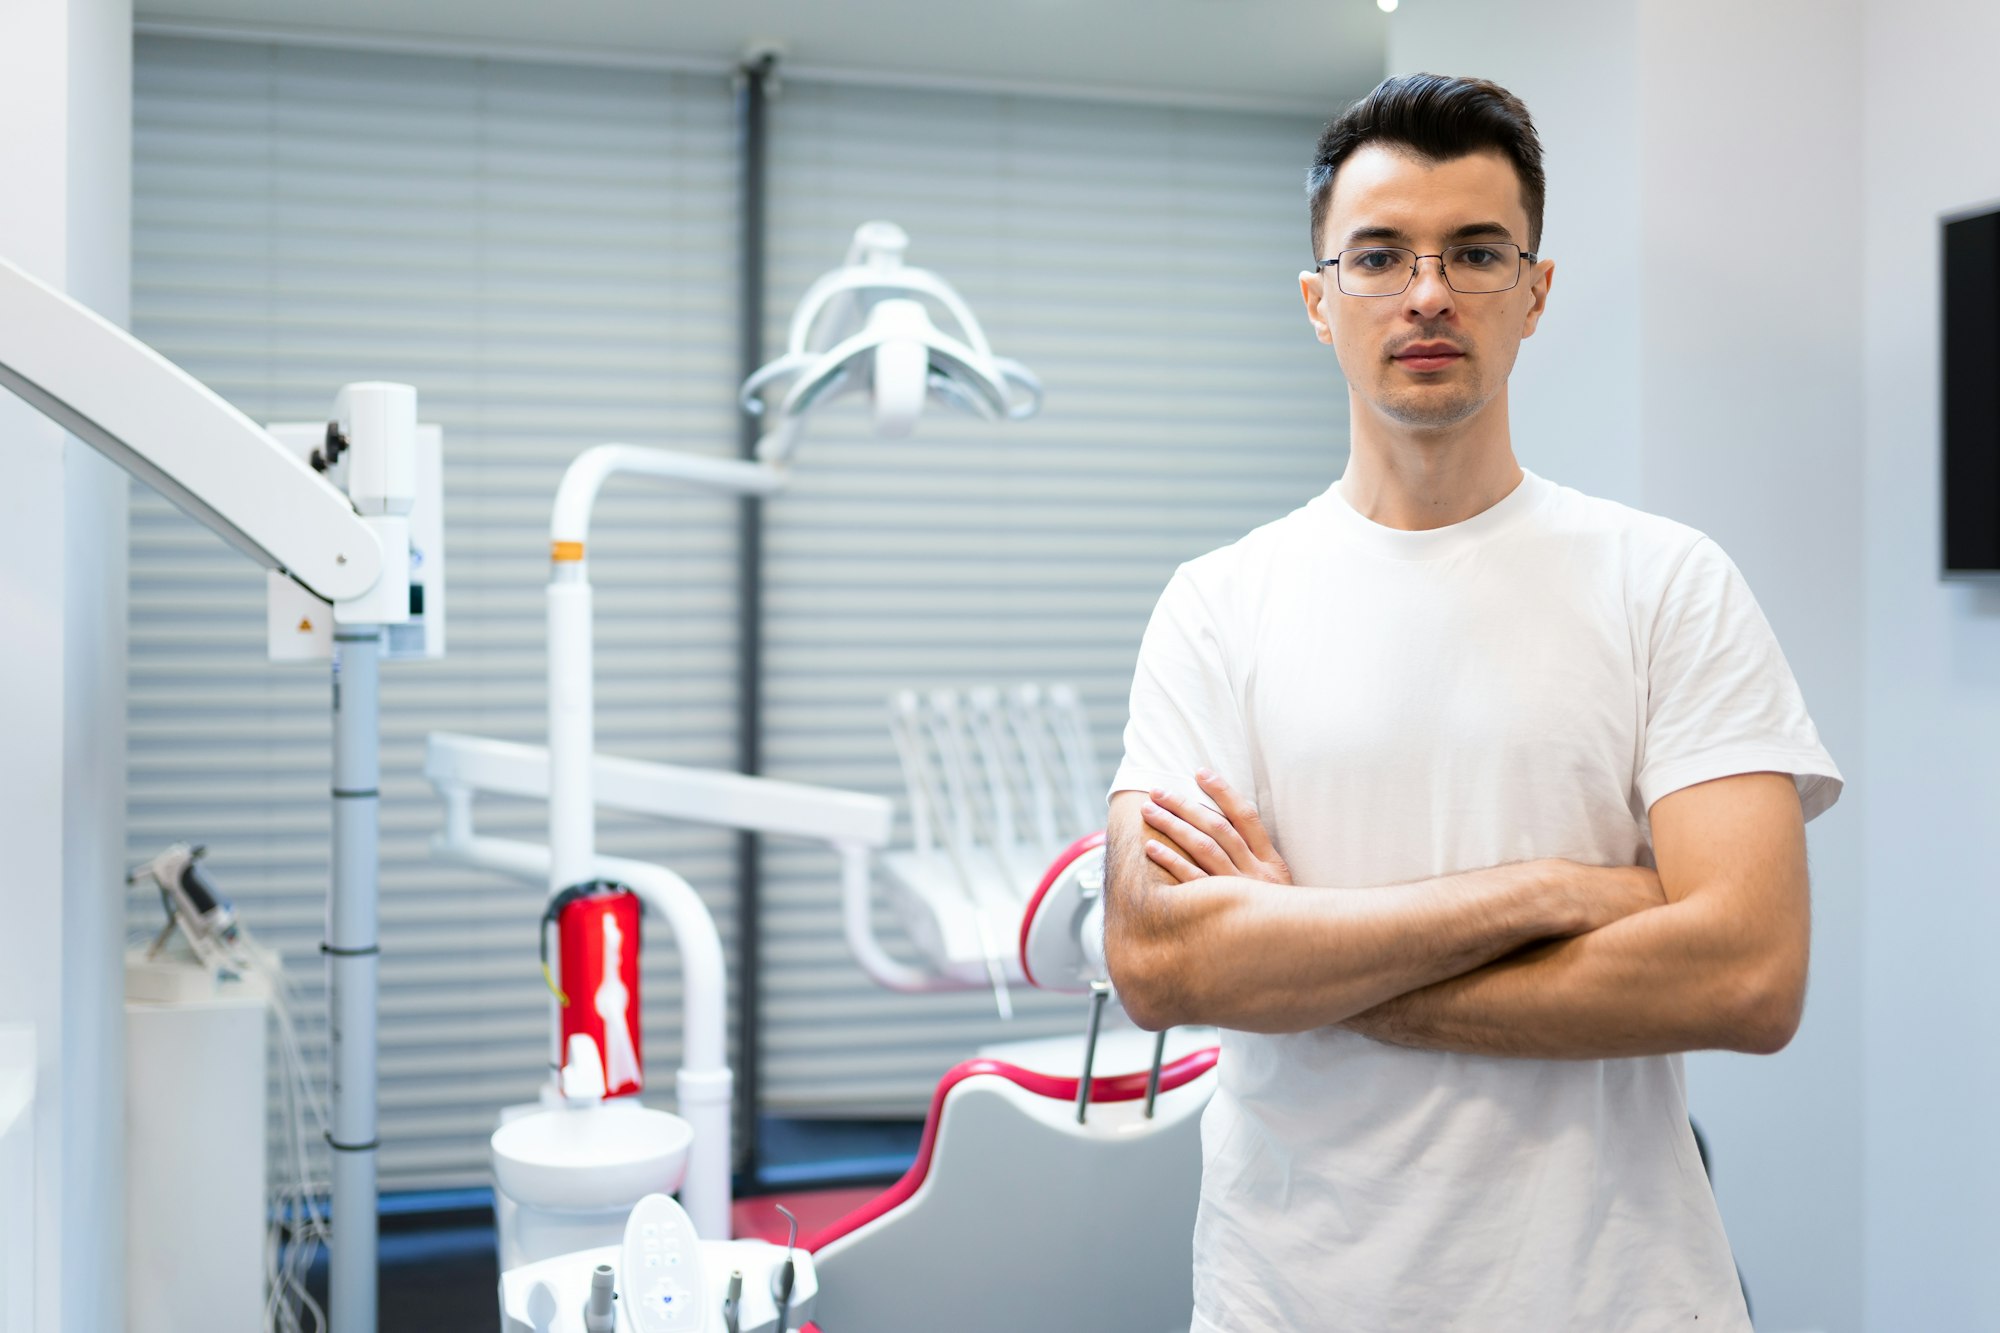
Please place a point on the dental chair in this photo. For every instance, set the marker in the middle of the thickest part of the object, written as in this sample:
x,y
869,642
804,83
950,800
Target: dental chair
x,y
1036,1201
1018,1212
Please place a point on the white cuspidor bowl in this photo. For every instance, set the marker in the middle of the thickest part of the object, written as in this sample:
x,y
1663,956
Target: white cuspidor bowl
x,y
604,1156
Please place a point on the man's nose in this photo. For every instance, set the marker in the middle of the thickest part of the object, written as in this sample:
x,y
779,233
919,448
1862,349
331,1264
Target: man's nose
x,y
1429,294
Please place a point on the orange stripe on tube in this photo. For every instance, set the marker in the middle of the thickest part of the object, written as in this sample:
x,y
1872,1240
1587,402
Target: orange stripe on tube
x,y
566,552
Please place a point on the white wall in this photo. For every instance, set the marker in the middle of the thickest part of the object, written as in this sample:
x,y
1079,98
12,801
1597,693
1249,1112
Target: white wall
x,y
1751,432
1933,725
1701,359
65,98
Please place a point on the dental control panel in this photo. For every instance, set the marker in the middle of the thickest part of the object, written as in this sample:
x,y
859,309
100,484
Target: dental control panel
x,y
661,1290
666,1281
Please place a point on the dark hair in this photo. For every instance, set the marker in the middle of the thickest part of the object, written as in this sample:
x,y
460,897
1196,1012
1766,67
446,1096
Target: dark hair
x,y
1437,117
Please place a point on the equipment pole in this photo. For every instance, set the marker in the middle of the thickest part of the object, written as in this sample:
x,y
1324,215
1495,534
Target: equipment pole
x,y
753,83
352,952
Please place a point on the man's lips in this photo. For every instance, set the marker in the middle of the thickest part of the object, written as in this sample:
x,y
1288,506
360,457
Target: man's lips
x,y
1428,356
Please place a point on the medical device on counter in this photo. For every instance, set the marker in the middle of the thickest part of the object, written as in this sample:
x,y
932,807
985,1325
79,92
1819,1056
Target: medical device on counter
x,y
575,1159
204,921
349,549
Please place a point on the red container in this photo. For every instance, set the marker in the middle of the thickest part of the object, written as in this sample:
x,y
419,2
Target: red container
x,y
598,936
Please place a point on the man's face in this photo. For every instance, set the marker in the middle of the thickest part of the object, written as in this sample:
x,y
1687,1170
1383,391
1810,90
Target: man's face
x,y
1431,357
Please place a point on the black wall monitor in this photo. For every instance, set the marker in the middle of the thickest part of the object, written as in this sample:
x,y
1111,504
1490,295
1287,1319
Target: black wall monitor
x,y
1972,394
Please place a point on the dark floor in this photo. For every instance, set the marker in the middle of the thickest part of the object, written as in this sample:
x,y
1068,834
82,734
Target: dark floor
x,y
439,1273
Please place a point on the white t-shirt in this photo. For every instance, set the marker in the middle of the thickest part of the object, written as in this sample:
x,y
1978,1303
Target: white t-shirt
x,y
1410,704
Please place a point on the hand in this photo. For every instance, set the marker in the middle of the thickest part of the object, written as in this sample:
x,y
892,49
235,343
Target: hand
x,y
1195,841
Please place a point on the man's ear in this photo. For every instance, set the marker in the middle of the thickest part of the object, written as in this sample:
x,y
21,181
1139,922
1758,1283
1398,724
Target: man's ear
x,y
1545,276
1312,287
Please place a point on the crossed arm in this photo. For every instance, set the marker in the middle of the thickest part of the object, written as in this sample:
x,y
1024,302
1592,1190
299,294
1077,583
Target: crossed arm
x,y
1549,959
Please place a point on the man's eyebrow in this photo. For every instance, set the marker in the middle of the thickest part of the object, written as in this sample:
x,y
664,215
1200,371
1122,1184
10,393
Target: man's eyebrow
x,y
1360,234
1475,229
1394,235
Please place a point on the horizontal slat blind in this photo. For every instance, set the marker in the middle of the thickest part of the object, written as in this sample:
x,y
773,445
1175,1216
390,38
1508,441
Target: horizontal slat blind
x,y
1143,262
548,254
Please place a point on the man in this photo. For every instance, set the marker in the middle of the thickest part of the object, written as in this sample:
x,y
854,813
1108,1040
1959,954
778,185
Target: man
x,y
1463,803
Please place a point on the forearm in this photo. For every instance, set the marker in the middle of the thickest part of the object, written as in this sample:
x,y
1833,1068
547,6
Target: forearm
x,y
1684,976
1258,957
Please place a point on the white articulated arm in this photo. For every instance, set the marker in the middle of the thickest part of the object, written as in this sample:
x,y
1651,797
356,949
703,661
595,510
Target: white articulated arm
x,y
172,432
589,470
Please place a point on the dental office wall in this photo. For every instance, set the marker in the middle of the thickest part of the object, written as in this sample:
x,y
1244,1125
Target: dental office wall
x,y
65,71
548,253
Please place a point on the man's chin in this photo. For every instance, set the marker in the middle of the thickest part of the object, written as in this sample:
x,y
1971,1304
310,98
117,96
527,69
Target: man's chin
x,y
1427,411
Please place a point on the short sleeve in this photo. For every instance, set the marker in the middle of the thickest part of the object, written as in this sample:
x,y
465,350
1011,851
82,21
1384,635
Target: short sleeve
x,y
1721,699
1184,713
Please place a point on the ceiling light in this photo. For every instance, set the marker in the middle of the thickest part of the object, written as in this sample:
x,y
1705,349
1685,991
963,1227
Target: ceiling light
x,y
1386,6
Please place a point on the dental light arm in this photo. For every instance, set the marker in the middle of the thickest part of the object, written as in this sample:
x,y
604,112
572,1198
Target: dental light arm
x,y
170,431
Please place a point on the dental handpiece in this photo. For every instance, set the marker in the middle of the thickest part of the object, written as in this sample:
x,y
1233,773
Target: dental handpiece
x,y
786,1273
732,1301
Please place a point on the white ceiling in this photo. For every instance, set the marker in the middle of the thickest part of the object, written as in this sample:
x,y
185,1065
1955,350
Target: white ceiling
x,y
1298,54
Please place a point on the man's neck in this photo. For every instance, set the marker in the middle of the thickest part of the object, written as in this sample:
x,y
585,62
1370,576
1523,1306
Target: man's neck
x,y
1417,480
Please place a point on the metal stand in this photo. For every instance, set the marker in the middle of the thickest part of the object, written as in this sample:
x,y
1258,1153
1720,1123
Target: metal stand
x,y
352,952
1153,1078
1100,991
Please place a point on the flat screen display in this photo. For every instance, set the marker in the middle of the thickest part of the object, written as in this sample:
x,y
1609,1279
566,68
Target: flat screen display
x,y
1972,394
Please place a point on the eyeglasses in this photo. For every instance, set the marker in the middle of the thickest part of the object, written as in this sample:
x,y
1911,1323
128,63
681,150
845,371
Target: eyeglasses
x,y
1475,269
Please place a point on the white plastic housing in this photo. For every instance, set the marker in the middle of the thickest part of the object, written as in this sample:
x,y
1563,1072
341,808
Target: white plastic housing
x,y
299,626
380,423
387,601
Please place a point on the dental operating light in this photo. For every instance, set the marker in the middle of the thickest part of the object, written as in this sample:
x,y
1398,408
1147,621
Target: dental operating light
x,y
867,327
